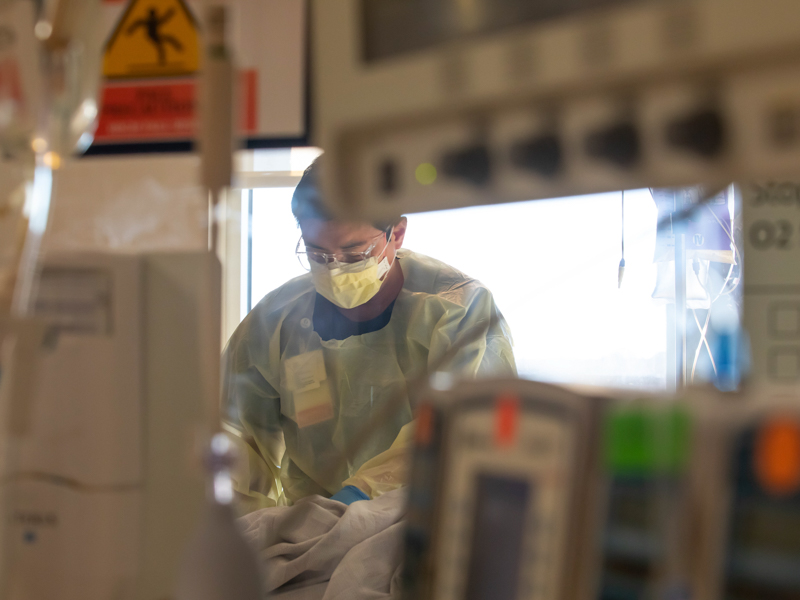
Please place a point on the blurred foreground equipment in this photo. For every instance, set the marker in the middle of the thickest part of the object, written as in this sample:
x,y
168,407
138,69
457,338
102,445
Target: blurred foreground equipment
x,y
522,490
431,104
98,488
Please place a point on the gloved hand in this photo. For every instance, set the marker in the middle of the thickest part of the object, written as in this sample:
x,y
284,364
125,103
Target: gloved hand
x,y
349,494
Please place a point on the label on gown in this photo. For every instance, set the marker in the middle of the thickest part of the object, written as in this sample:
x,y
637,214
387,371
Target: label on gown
x,y
307,380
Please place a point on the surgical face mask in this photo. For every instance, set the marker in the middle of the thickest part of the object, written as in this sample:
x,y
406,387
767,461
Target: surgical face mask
x,y
350,285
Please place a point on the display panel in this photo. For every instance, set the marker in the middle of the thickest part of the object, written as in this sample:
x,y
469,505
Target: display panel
x,y
763,557
632,546
500,507
393,27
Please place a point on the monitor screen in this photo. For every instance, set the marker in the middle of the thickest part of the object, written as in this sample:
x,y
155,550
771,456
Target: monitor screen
x,y
394,27
499,529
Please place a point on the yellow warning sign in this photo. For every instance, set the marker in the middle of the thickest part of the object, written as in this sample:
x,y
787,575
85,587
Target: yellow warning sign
x,y
154,38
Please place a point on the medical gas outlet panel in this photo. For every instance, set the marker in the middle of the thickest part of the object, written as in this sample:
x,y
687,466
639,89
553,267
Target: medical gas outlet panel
x,y
472,107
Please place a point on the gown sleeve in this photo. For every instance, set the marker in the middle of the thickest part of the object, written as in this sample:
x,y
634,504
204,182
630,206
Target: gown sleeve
x,y
251,418
490,354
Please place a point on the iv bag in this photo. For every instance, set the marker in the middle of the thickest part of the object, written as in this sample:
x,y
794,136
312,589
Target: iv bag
x,y
49,78
697,296
708,228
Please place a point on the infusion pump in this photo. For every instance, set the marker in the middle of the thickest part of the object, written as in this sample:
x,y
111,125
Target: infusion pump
x,y
433,104
522,490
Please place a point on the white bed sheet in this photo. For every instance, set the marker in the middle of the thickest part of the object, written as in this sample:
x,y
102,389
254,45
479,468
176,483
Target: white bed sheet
x,y
321,549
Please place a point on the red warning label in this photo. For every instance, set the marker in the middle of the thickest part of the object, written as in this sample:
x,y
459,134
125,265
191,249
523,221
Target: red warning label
x,y
10,86
248,92
147,110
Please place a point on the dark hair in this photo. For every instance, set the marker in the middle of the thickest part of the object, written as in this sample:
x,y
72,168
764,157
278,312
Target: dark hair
x,y
307,198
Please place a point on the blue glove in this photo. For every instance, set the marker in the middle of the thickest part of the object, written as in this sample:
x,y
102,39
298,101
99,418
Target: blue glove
x,y
349,494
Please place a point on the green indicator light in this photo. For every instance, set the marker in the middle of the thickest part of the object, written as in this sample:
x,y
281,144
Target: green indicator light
x,y
426,173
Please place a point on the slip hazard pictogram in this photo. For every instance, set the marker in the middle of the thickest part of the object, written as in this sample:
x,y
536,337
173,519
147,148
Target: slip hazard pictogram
x,y
150,66
151,69
154,38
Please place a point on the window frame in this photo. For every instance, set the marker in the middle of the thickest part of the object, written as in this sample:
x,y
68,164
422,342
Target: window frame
x,y
236,243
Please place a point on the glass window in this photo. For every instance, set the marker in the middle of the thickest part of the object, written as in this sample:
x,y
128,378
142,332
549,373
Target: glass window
x,y
552,265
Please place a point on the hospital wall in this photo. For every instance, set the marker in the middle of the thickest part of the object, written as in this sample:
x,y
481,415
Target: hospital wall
x,y
128,204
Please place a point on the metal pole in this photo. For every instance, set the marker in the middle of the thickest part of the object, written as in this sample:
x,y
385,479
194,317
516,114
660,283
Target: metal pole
x,y
680,298
249,250
672,354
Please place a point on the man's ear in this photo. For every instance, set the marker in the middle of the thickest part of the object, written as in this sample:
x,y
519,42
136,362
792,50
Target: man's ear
x,y
399,232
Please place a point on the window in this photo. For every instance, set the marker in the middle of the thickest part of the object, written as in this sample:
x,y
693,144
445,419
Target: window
x,y
552,266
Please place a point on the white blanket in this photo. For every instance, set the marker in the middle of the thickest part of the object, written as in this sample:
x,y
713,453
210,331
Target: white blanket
x,y
321,549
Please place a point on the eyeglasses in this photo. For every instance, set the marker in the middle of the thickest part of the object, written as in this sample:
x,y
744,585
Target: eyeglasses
x,y
306,257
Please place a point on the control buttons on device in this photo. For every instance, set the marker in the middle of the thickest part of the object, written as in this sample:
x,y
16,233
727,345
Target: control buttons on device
x,y
702,133
542,155
618,144
471,164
